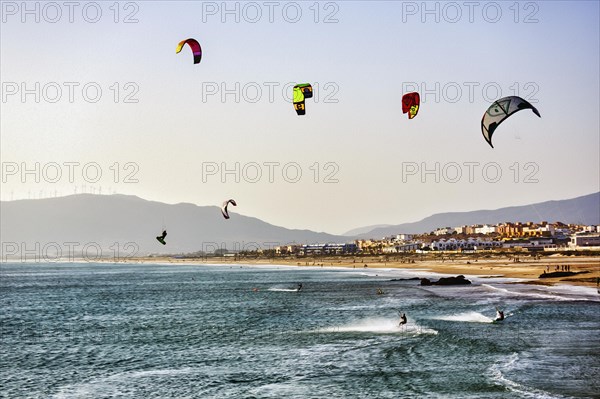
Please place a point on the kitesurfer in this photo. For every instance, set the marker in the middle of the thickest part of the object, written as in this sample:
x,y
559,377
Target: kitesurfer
x,y
299,287
402,320
161,238
499,315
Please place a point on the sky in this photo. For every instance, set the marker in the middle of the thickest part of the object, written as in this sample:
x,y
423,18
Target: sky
x,y
95,99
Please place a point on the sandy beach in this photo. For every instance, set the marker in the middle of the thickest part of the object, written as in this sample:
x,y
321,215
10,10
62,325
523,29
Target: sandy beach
x,y
527,267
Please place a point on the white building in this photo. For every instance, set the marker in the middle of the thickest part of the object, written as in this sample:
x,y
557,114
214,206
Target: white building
x,y
443,231
408,247
529,243
585,240
404,237
453,244
548,227
592,229
486,229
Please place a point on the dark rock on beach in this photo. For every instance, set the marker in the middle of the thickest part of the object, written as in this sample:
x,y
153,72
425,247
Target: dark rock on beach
x,y
458,280
561,274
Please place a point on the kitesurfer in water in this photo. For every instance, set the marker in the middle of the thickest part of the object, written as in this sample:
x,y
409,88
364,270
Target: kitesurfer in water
x,y
402,320
299,287
499,315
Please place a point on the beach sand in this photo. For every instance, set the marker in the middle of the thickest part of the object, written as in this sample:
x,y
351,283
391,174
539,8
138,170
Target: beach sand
x,y
527,267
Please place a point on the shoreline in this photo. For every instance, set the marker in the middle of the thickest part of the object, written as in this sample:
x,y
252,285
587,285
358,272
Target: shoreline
x,y
588,267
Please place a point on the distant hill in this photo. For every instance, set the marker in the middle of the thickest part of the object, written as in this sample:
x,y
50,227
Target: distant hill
x,y
366,229
584,210
106,220
110,219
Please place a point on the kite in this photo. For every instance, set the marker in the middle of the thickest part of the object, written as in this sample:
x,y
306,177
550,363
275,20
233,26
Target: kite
x,y
499,111
301,91
161,238
194,45
410,104
224,208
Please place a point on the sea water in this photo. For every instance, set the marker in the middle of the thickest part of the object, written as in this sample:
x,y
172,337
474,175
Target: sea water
x,y
184,331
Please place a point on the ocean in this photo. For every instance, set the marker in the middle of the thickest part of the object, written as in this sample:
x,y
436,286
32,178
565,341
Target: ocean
x,y
86,330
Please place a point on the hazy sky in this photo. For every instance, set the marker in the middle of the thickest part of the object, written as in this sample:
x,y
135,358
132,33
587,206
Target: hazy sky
x,y
114,96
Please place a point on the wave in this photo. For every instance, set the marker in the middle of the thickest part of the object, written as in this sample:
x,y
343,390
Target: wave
x,y
283,289
115,384
378,326
470,317
529,294
583,293
559,292
496,373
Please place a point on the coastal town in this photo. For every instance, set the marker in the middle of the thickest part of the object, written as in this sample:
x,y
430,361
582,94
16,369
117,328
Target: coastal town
x,y
508,236
543,253
529,236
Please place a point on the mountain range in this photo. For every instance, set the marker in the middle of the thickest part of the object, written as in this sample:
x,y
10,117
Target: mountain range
x,y
110,222
580,210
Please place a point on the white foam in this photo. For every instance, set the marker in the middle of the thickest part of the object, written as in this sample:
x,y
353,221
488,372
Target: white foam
x,y
585,293
470,317
496,373
379,326
283,289
530,294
